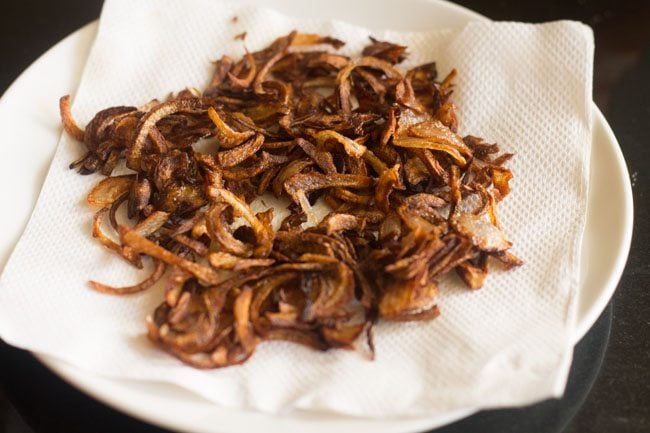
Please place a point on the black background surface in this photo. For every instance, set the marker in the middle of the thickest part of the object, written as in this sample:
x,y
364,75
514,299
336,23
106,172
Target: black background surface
x,y
620,398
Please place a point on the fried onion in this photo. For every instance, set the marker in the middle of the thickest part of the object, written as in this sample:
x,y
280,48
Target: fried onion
x,y
409,199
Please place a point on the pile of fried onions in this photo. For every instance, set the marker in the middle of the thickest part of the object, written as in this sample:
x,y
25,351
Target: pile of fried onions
x,y
410,199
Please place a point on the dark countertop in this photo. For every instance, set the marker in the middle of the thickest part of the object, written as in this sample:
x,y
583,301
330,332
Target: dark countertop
x,y
620,398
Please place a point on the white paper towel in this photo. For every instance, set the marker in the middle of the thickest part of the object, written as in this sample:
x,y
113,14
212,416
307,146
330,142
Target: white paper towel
x,y
527,87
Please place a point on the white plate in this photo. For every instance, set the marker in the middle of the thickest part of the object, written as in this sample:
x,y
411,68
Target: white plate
x,y
29,131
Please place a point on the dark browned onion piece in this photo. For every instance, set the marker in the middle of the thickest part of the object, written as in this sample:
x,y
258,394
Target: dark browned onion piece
x,y
150,119
343,78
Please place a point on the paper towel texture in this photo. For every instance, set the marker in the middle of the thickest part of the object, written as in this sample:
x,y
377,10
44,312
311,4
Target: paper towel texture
x,y
526,87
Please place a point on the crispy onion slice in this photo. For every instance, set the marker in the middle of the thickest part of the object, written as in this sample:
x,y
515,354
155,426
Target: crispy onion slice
x,y
334,293
227,136
313,181
220,233
388,51
376,163
151,224
435,129
343,78
94,132
103,239
109,190
483,234
426,143
242,152
405,95
264,71
139,195
350,147
389,180
473,274
402,300
221,260
315,39
69,124
300,184
251,70
265,162
149,121
222,67
501,178
140,244
156,275
323,159
286,172
243,326
263,232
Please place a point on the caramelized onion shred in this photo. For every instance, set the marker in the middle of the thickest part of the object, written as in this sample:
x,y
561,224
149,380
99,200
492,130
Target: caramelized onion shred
x,y
410,198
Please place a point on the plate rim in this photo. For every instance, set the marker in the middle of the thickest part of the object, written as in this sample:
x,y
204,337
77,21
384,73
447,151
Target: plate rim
x,y
72,376
614,277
